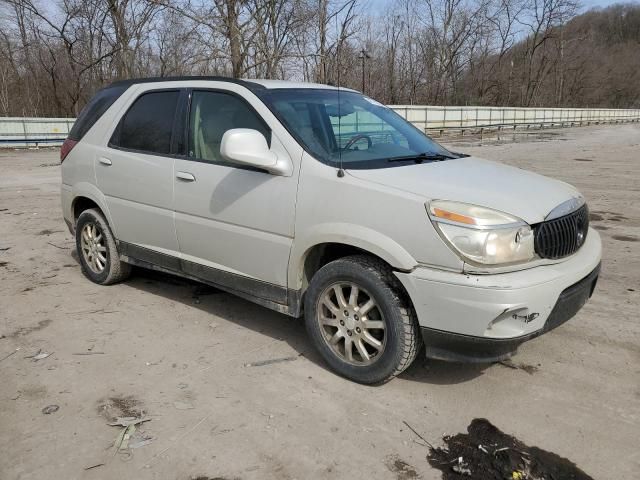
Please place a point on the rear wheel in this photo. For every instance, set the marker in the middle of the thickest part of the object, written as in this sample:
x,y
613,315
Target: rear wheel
x,y
97,249
360,320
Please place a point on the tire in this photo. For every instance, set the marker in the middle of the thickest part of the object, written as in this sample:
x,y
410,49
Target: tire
x,y
388,332
102,252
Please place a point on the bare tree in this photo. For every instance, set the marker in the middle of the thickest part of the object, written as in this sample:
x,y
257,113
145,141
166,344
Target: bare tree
x,y
130,20
540,21
55,55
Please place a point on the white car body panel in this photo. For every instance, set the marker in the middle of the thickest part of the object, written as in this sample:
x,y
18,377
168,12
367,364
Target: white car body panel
x,y
251,231
526,195
467,304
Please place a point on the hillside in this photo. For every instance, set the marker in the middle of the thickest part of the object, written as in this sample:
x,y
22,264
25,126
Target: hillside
x,y
591,61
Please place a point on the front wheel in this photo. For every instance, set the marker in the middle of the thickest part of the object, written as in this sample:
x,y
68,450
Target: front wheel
x,y
360,320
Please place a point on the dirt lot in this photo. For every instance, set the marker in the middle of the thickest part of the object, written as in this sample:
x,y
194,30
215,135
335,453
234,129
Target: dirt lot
x,y
183,355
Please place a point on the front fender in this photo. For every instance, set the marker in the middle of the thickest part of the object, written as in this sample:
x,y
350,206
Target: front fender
x,y
360,237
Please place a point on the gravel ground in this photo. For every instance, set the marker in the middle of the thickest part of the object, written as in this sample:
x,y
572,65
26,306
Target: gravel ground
x,y
184,356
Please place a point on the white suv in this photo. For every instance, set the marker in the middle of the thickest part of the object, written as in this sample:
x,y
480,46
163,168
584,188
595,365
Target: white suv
x,y
318,201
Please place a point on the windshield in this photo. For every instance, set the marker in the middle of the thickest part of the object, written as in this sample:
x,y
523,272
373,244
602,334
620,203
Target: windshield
x,y
351,128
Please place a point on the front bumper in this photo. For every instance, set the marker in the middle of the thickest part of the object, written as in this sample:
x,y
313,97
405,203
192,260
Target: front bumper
x,y
465,348
483,318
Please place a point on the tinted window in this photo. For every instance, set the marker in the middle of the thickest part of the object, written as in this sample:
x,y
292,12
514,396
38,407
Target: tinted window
x,y
96,107
212,114
148,123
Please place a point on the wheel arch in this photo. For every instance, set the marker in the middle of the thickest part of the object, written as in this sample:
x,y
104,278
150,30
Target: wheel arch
x,y
321,248
85,196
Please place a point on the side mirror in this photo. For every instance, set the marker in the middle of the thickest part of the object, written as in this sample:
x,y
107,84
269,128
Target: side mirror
x,y
246,146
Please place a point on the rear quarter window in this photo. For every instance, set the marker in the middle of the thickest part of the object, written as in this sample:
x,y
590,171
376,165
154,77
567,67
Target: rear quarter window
x,y
148,124
96,107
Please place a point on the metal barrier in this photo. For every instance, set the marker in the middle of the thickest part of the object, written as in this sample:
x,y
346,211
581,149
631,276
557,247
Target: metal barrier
x,y
21,132
429,118
34,132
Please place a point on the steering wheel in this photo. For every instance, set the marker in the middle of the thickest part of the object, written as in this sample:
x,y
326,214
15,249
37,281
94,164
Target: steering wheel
x,y
356,138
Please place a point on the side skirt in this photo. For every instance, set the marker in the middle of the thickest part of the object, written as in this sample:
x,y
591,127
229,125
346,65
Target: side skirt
x,y
276,298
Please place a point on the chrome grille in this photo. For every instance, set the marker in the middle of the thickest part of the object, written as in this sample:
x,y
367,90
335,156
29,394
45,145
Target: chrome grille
x,y
562,236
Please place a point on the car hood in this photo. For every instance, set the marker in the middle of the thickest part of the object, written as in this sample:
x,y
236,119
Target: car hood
x,y
512,190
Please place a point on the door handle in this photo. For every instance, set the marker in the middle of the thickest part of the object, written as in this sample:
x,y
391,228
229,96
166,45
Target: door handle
x,y
185,176
104,161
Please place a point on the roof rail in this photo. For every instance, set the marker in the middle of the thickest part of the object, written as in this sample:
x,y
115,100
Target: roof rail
x,y
245,83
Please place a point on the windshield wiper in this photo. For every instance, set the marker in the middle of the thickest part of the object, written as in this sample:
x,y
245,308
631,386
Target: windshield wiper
x,y
421,157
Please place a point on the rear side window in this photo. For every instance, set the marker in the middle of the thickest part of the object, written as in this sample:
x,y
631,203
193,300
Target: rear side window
x,y
96,107
148,124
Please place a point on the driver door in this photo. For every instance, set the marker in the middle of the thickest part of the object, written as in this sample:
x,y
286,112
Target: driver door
x,y
234,224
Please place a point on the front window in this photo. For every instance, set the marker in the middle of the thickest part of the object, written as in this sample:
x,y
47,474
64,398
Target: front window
x,y
350,129
212,114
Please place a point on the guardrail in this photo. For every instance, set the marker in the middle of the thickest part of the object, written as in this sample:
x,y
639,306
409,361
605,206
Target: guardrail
x,y
20,132
34,132
429,118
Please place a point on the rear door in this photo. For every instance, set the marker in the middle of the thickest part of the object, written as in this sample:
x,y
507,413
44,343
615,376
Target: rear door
x,y
135,173
234,224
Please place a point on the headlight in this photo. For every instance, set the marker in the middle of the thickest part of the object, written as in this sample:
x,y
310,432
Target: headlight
x,y
482,235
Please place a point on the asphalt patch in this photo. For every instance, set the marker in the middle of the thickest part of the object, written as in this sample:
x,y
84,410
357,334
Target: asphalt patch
x,y
485,453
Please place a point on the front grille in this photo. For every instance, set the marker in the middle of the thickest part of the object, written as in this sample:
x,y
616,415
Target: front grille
x,y
562,236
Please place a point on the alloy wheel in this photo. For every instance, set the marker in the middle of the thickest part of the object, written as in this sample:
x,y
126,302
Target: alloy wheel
x,y
352,323
93,247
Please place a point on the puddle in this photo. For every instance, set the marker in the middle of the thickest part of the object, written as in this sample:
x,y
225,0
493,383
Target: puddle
x,y
625,238
521,137
48,232
500,138
485,452
604,215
